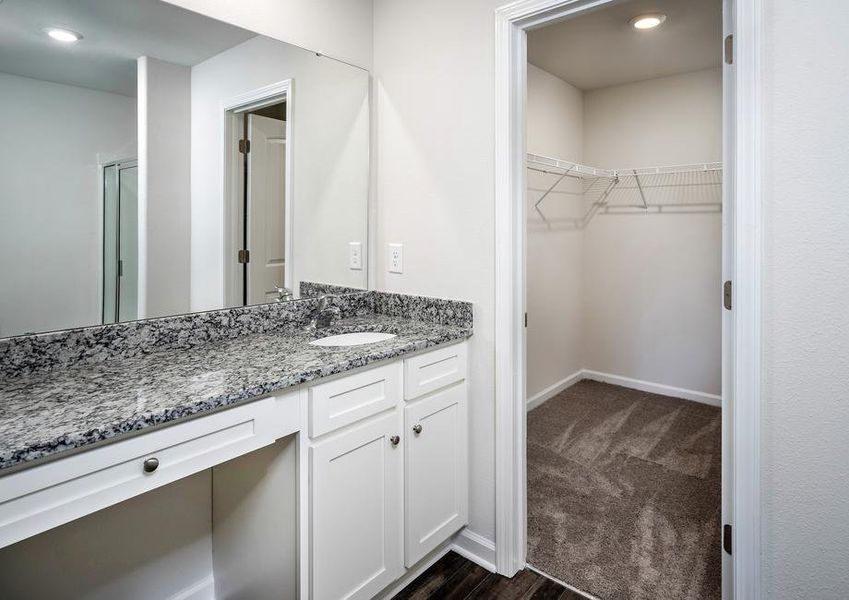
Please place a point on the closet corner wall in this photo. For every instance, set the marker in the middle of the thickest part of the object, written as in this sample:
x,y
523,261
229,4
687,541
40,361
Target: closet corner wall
x,y
631,294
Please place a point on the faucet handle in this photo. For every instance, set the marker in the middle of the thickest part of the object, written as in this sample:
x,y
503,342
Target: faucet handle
x,y
283,293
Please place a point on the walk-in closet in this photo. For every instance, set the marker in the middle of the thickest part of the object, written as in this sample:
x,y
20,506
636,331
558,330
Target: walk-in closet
x,y
624,297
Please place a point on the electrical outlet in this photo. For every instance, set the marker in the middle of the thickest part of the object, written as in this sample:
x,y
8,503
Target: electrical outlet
x,y
396,258
355,256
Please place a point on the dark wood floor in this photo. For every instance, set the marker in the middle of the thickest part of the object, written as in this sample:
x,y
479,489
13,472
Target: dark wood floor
x,y
456,578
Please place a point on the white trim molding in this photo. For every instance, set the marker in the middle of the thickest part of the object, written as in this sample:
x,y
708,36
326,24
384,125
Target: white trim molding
x,y
746,314
653,388
476,548
554,389
628,382
511,24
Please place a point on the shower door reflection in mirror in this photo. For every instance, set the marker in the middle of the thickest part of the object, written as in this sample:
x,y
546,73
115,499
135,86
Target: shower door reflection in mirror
x,y
160,162
120,241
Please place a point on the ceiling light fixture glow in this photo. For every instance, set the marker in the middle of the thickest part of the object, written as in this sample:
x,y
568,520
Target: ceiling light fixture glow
x,y
644,22
66,36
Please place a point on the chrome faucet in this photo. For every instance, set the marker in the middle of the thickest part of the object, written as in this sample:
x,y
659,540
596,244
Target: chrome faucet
x,y
325,313
283,293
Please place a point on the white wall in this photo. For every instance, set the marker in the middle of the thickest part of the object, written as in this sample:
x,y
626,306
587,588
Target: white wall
x,y
151,546
330,129
652,282
339,29
164,93
434,182
54,137
555,256
805,360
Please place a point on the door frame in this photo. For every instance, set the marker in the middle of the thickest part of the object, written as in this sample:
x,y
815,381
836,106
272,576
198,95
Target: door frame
x,y
742,339
232,112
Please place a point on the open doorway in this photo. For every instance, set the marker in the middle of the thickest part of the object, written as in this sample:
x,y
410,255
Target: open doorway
x,y
623,277
258,211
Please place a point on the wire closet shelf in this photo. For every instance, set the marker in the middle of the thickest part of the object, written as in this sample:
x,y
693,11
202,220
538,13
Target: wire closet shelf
x,y
674,188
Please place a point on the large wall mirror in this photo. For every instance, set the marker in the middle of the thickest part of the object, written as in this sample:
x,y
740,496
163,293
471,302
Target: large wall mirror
x,y
157,162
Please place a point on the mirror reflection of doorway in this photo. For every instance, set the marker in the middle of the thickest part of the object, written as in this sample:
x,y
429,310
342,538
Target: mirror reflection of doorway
x,y
120,242
258,196
264,207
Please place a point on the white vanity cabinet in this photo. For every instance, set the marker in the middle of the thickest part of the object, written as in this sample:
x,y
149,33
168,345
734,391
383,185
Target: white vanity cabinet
x,y
435,471
328,491
388,471
356,510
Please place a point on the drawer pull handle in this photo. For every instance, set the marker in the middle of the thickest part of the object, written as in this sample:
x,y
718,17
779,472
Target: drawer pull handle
x,y
395,440
417,429
151,464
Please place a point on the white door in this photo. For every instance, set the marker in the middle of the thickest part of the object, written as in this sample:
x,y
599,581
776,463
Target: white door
x,y
266,208
436,470
355,511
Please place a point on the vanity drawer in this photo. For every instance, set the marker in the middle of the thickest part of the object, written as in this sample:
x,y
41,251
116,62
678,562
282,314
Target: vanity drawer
x,y
45,496
349,399
433,370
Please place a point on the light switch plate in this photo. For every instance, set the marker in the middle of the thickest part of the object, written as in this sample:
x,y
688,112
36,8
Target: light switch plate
x,y
396,258
355,256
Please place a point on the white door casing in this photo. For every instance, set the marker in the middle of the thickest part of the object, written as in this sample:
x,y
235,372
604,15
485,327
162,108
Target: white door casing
x,y
742,232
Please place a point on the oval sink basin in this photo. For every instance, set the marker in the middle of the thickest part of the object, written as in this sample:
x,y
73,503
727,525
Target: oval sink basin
x,y
353,339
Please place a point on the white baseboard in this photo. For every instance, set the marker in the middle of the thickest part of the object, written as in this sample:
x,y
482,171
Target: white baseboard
x,y
654,388
636,384
200,590
552,390
476,548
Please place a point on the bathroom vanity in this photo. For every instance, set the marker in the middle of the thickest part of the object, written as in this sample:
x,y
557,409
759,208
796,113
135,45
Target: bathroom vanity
x,y
364,447
178,419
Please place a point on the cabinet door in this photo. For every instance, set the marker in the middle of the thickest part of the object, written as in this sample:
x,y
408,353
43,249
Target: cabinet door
x,y
355,518
436,472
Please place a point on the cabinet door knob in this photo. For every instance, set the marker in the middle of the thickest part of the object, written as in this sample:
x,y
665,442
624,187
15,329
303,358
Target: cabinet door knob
x,y
395,440
417,429
151,464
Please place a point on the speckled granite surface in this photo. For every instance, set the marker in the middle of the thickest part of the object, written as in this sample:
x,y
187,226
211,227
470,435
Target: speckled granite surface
x,y
46,412
314,289
30,354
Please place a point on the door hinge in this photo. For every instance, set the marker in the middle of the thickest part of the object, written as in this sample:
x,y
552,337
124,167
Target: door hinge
x,y
726,295
120,268
729,49
244,257
526,319
726,538
244,146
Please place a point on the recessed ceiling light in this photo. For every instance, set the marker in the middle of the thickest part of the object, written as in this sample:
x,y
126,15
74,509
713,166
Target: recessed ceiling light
x,y
647,21
65,36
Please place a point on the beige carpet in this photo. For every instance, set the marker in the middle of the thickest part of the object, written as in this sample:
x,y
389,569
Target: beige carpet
x,y
624,493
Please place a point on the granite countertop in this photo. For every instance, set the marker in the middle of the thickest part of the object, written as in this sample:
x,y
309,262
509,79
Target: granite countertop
x,y
43,415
